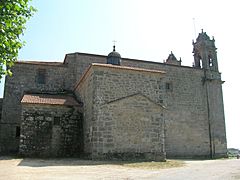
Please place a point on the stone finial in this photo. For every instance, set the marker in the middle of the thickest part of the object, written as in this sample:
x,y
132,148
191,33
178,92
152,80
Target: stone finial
x,y
172,60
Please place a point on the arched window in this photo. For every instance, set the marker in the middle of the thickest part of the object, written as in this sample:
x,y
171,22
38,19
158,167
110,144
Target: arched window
x,y
210,60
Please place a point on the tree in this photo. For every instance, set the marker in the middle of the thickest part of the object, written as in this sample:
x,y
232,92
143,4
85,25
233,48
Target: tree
x,y
13,17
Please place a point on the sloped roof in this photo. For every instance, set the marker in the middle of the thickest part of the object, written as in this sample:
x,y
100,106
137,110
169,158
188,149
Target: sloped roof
x,y
128,68
49,99
41,63
116,67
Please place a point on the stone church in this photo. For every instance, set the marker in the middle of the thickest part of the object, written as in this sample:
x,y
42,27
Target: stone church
x,y
107,107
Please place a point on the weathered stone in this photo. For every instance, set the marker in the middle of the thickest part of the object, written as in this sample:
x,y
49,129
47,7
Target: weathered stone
x,y
121,103
40,137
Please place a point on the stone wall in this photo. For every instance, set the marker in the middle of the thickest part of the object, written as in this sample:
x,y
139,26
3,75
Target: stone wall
x,y
24,79
79,62
84,92
51,131
187,133
132,127
182,92
188,125
187,121
213,85
126,116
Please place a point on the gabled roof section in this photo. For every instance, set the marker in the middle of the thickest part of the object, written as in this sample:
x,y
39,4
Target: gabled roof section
x,y
135,95
49,99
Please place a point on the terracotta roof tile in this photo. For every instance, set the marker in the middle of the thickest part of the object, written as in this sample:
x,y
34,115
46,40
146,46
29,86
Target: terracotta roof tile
x,y
65,100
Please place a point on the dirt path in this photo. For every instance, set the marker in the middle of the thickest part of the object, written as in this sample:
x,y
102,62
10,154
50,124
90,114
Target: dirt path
x,y
64,169
201,170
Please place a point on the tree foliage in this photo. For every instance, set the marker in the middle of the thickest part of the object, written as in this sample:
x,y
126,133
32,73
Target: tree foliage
x,y
13,17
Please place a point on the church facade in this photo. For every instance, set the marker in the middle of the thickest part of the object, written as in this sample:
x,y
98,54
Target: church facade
x,y
108,107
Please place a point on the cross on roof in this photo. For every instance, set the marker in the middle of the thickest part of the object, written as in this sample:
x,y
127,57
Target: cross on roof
x,y
114,41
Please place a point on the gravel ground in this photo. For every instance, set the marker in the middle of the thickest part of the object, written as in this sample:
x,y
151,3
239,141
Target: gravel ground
x,y
62,169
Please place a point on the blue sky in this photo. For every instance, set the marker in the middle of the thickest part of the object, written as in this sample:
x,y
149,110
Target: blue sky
x,y
143,29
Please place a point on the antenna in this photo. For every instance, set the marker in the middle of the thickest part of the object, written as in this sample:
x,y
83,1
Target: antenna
x,y
194,26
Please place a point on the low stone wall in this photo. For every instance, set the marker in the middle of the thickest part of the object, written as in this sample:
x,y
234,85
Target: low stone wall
x,y
50,131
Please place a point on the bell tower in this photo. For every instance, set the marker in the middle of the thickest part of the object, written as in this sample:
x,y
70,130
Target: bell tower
x,y
204,52
205,58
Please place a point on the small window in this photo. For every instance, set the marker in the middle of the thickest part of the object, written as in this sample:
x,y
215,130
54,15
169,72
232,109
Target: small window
x,y
41,76
210,62
159,86
17,131
169,86
56,121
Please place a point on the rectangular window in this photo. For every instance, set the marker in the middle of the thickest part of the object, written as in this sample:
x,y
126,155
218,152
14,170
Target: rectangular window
x,y
169,86
41,76
159,86
56,121
17,131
